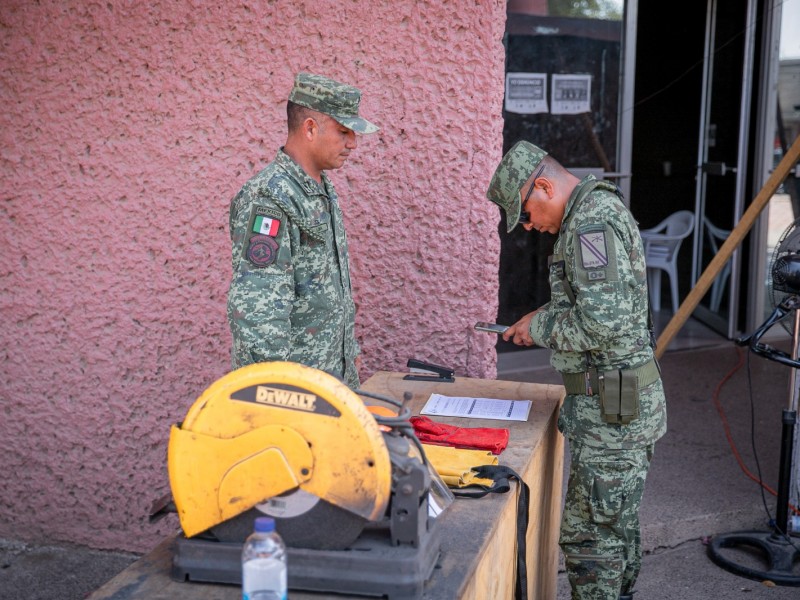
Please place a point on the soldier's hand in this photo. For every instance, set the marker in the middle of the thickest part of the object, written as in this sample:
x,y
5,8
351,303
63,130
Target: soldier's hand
x,y
519,332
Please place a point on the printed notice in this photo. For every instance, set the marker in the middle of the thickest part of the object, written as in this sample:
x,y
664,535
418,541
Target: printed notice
x,y
572,94
526,93
477,408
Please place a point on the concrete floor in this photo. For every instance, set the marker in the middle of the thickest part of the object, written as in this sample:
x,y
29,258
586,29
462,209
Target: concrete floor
x,y
695,489
58,572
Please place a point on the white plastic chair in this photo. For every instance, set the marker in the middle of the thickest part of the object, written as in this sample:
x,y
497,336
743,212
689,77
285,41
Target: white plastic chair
x,y
661,245
716,237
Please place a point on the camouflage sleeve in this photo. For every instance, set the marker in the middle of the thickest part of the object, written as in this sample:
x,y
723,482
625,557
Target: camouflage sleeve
x,y
262,290
601,275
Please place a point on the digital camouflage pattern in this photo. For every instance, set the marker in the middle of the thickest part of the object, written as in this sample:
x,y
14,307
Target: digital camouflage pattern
x,y
337,100
296,303
609,320
600,533
517,166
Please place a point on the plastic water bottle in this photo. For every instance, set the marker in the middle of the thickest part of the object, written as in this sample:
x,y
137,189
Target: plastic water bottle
x,y
264,563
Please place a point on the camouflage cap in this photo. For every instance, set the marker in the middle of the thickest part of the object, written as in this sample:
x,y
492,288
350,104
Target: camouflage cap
x,y
337,100
511,174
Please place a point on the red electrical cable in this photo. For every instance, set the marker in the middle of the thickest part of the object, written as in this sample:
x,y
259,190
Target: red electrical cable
x,y
727,430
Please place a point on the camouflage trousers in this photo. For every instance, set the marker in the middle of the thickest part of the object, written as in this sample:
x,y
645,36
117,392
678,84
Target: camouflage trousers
x,y
600,534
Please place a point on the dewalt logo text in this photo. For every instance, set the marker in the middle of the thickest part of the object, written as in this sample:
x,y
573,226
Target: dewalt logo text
x,y
285,398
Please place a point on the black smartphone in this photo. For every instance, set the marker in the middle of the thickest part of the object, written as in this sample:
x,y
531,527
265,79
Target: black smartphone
x,y
491,327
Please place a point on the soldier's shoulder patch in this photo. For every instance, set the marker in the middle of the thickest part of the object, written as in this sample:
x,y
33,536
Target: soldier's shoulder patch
x,y
262,250
596,275
593,247
266,220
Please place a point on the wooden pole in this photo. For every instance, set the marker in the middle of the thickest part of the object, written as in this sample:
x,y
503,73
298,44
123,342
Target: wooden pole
x,y
734,239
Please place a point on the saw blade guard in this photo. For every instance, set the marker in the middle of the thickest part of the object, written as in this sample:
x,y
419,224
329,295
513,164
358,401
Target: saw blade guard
x,y
269,428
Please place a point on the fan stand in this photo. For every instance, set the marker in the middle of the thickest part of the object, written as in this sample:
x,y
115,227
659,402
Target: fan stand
x,y
775,546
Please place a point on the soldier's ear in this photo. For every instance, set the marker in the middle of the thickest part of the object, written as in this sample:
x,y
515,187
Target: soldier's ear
x,y
545,184
310,128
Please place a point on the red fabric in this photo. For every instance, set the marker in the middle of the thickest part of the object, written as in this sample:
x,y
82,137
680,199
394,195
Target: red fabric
x,y
477,438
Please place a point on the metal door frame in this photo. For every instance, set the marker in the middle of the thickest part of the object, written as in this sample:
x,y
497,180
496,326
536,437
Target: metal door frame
x,y
763,163
728,328
625,109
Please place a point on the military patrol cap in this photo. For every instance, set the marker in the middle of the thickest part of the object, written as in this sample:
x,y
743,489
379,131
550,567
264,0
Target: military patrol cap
x,y
517,166
337,100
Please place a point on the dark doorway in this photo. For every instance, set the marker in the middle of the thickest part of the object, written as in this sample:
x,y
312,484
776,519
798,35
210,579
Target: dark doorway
x,y
692,136
667,101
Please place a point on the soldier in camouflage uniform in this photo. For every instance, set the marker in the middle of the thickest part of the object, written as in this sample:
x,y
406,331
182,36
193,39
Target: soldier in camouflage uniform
x,y
290,296
597,326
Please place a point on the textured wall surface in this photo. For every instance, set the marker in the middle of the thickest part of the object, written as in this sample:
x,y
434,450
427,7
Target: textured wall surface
x,y
126,128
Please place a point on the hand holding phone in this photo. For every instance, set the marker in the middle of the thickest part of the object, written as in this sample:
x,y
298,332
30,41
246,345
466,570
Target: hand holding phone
x,y
491,327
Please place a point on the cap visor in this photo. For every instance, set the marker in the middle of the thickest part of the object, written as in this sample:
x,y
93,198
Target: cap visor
x,y
358,124
512,215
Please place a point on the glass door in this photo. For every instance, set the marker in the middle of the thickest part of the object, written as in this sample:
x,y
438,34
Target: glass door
x,y
722,153
779,126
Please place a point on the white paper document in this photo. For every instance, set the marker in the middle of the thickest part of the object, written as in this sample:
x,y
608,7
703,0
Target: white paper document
x,y
477,408
572,94
526,93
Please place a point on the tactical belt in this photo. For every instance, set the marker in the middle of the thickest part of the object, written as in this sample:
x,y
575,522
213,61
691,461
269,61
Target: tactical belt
x,y
576,383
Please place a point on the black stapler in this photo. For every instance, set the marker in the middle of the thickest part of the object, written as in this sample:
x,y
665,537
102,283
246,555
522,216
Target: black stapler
x,y
438,374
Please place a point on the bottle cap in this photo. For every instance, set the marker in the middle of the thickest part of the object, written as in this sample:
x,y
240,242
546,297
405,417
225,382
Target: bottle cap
x,y
265,524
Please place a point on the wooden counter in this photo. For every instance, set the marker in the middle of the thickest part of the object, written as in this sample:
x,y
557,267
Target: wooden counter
x,y
478,559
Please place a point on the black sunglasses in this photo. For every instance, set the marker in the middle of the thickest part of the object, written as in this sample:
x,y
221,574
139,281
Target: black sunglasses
x,y
524,216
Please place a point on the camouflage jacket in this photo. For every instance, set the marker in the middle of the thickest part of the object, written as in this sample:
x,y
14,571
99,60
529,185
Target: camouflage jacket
x,y
603,265
290,296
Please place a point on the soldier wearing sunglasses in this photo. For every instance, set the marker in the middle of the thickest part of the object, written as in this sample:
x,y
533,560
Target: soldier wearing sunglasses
x,y
598,327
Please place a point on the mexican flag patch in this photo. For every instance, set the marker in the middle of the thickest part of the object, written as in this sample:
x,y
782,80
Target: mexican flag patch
x,y
266,225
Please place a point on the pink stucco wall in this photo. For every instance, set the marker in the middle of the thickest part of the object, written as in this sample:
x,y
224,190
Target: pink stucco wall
x,y
126,128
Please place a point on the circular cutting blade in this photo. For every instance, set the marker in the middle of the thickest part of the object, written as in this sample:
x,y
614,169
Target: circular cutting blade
x,y
268,428
302,520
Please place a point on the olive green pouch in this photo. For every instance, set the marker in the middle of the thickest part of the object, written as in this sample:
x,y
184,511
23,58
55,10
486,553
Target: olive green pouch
x,y
609,396
619,396
629,396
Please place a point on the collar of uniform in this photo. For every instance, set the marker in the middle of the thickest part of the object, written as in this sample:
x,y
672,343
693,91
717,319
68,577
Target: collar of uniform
x,y
296,172
572,197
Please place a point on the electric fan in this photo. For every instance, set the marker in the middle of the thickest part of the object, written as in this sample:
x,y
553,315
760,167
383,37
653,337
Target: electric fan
x,y
784,269
778,547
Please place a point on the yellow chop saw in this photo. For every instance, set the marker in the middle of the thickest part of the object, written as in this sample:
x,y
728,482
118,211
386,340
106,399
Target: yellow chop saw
x,y
351,492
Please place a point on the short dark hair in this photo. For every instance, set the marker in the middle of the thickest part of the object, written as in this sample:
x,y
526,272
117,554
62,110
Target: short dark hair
x,y
549,166
296,114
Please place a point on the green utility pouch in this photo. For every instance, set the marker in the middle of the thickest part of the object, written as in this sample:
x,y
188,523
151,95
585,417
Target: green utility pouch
x,y
619,396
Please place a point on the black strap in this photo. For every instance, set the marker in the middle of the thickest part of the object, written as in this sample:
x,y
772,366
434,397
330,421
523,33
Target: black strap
x,y
561,273
651,328
501,476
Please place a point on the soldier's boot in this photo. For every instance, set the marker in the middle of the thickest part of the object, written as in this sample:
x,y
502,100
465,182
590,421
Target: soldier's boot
x,y
626,596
